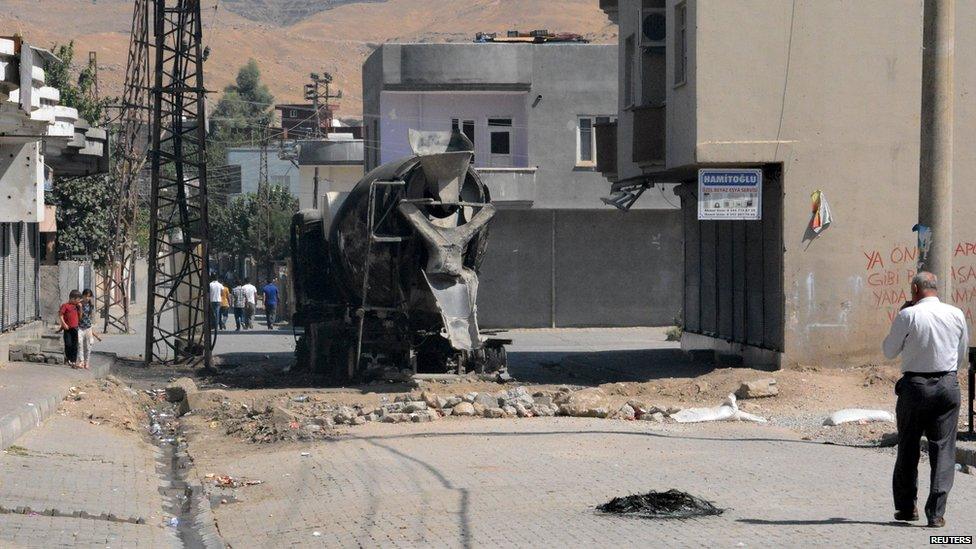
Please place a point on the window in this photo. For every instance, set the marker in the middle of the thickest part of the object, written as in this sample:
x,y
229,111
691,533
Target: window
x,y
629,54
500,142
586,139
680,43
464,126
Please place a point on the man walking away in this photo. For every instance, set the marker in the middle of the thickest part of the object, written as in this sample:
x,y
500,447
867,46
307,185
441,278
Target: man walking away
x,y
252,301
932,339
69,316
239,301
216,288
224,305
270,303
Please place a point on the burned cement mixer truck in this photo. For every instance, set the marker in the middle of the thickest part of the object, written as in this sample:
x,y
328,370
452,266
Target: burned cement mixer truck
x,y
385,276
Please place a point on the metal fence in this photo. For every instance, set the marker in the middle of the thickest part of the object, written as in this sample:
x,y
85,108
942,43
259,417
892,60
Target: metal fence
x,y
19,265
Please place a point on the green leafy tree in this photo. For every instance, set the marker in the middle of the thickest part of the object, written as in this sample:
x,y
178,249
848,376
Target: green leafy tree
x,y
84,221
242,113
257,225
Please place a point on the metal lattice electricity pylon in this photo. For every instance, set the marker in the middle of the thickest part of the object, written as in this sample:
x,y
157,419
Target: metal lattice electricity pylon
x,y
129,159
178,324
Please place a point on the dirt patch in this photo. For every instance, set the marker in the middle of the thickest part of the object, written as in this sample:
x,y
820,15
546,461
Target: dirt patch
x,y
110,402
661,505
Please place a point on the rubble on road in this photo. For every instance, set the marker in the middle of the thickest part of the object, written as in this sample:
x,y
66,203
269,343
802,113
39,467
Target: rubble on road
x,y
227,481
759,388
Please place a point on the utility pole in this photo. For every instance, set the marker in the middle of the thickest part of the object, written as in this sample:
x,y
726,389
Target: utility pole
x,y
129,152
315,189
178,317
935,162
314,93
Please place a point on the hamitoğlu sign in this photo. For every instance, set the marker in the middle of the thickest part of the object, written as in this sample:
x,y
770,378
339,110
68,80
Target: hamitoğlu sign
x,y
729,194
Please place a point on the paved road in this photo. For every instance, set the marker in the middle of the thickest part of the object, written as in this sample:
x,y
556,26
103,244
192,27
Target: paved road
x,y
71,466
535,482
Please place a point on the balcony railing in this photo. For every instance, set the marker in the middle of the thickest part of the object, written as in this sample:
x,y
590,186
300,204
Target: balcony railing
x,y
606,148
649,135
510,187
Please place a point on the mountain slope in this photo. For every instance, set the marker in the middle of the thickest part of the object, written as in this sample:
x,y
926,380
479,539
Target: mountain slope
x,y
290,38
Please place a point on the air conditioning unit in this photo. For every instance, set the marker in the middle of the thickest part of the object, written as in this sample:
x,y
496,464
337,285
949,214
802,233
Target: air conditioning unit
x,y
653,29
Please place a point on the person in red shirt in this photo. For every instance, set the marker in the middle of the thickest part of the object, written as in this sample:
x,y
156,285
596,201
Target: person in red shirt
x,y
70,315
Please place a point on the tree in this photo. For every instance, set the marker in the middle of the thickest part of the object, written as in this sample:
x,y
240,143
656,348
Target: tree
x,y
84,221
244,111
257,225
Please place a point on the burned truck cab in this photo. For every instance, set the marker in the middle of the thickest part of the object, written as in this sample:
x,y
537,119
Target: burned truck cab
x,y
386,277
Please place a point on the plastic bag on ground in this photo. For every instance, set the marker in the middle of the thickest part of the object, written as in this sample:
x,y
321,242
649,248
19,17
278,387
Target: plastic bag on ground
x,y
727,411
857,414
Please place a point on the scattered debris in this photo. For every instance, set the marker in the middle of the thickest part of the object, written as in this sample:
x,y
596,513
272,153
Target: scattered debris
x,y
759,388
858,415
670,504
227,481
15,450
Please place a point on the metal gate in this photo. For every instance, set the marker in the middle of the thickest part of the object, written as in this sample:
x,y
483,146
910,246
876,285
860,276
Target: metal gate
x,y
734,271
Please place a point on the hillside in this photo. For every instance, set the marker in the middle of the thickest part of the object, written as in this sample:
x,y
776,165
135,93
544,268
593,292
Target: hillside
x,y
290,38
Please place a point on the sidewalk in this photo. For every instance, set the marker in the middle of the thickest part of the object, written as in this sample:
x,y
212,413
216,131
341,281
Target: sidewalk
x,y
73,484
30,392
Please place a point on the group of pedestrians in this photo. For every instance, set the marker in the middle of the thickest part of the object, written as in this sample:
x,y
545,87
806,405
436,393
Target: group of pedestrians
x,y
76,318
242,298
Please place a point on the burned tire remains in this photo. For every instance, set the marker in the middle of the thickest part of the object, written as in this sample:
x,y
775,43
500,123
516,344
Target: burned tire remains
x,y
661,505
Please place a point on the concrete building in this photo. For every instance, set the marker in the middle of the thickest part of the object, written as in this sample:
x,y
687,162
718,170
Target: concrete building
x,y
281,171
327,167
39,140
820,95
559,256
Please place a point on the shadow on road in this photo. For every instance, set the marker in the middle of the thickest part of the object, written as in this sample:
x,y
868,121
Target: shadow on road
x,y
824,522
597,367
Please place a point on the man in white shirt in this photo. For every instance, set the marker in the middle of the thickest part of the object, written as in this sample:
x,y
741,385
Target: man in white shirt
x,y
216,289
252,301
932,339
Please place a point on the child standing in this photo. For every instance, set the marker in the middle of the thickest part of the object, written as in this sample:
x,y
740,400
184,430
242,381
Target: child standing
x,y
69,316
86,333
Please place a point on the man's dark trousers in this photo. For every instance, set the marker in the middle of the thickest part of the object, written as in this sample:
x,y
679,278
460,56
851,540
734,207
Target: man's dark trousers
x,y
927,404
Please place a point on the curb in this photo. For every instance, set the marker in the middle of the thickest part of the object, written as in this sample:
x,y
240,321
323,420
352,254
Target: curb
x,y
33,412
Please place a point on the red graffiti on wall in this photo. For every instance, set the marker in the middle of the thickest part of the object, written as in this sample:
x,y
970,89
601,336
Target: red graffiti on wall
x,y
889,273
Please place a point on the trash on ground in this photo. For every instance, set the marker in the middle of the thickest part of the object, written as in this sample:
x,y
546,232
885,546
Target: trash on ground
x,y
727,411
670,504
227,481
859,415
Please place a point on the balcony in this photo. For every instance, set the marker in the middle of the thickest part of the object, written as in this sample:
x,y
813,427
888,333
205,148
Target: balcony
x,y
649,135
511,188
606,149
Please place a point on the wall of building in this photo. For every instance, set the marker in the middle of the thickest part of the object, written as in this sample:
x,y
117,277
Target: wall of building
x,y
571,268
249,159
331,179
433,111
573,80
831,90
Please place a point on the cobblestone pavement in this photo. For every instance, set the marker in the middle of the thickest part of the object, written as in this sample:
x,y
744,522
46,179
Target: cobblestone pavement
x,y
71,466
532,482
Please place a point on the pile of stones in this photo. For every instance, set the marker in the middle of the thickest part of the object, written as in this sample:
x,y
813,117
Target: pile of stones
x,y
515,402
